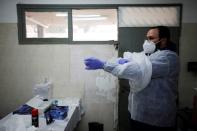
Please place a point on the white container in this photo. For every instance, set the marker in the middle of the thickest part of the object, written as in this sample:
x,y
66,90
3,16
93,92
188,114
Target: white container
x,y
43,90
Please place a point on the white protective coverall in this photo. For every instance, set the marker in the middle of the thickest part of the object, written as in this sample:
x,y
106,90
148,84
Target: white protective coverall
x,y
153,86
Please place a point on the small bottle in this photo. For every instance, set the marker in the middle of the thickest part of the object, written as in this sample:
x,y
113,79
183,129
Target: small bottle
x,y
35,119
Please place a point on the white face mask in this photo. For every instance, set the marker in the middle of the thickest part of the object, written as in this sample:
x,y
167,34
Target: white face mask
x,y
149,46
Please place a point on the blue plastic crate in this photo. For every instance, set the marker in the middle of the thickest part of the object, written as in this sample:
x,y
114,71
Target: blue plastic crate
x,y
58,112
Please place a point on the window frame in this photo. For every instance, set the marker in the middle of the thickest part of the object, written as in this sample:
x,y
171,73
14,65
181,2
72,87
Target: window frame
x,y
21,8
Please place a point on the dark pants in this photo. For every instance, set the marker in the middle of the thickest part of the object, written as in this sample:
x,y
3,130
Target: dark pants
x,y
138,126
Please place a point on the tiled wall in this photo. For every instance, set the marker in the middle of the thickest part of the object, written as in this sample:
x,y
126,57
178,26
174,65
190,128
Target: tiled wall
x,y
22,66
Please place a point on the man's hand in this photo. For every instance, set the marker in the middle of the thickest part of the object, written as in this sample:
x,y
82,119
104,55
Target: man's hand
x,y
122,61
93,63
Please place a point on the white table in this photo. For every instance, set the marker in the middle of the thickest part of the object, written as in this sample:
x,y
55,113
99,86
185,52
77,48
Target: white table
x,y
68,124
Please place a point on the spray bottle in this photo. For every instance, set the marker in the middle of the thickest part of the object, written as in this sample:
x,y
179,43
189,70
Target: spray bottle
x,y
35,117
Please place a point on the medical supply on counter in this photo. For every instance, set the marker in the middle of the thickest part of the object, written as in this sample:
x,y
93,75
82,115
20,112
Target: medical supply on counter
x,y
23,110
43,90
35,117
38,103
48,117
56,113
24,122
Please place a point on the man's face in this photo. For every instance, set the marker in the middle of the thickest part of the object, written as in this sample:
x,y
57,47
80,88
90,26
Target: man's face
x,y
153,35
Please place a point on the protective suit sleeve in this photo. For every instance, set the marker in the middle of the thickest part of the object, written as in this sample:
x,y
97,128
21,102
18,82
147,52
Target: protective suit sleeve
x,y
129,70
138,71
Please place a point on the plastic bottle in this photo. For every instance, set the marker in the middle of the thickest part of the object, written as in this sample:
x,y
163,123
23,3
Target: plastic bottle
x,y
35,118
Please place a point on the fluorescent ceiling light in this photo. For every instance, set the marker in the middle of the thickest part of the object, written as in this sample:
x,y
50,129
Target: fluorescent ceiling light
x,y
87,16
93,18
61,14
83,17
77,16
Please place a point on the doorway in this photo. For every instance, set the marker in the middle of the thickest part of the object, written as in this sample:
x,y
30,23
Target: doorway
x,y
134,22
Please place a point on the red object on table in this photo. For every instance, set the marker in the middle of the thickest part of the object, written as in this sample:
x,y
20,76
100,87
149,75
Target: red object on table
x,y
35,119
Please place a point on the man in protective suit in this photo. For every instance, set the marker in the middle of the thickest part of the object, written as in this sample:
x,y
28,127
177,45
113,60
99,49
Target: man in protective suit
x,y
153,78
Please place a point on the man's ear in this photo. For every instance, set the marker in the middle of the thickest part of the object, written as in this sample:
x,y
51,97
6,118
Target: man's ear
x,y
163,42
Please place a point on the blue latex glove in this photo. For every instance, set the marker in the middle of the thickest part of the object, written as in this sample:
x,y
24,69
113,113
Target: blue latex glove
x,y
93,63
23,110
122,61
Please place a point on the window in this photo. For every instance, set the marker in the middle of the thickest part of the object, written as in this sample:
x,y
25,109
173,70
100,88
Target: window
x,y
95,25
40,24
149,16
46,24
61,24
